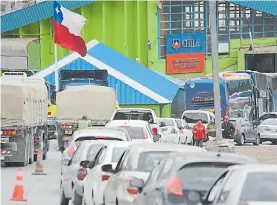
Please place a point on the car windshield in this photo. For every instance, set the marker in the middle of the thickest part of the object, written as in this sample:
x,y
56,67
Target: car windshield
x,y
272,121
168,122
260,186
134,115
200,176
135,132
194,117
83,138
148,160
117,153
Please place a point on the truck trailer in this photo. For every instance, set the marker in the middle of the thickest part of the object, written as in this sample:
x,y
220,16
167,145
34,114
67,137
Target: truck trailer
x,y
24,104
96,102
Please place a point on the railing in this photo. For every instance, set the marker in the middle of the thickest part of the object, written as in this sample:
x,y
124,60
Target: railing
x,y
9,5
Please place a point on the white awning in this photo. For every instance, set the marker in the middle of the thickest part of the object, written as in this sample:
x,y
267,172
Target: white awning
x,y
15,47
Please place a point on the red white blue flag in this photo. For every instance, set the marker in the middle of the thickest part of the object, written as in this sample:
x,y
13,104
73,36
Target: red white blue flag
x,y
67,29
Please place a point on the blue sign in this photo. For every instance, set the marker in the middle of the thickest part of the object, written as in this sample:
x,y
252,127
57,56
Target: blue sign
x,y
185,43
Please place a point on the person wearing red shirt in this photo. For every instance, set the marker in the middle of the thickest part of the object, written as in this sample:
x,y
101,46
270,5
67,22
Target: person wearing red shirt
x,y
199,133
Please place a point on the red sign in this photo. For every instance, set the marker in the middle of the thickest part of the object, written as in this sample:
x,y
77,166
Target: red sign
x,y
185,63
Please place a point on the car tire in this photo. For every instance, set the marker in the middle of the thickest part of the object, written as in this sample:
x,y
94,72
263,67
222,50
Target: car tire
x,y
258,140
241,140
63,199
44,156
35,157
76,200
274,142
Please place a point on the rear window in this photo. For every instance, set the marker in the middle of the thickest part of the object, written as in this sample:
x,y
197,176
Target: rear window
x,y
271,121
201,176
80,139
148,160
133,115
135,132
260,186
168,122
117,153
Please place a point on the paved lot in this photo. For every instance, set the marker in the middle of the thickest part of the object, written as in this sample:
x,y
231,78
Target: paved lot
x,y
39,190
265,153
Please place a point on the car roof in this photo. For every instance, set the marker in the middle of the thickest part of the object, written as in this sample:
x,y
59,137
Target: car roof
x,y
128,122
147,147
255,167
197,111
166,118
181,159
138,109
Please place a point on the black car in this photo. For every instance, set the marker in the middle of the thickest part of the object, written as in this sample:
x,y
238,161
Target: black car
x,y
183,177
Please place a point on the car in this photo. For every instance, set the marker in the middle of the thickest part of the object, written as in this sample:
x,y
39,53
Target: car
x,y
144,114
94,133
138,130
137,162
182,177
268,130
244,185
245,132
76,170
185,128
97,177
192,116
170,135
264,117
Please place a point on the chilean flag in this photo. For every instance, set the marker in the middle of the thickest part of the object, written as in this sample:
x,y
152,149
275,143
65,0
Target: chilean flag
x,y
67,29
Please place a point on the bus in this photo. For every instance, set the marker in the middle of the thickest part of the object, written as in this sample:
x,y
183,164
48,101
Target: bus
x,y
235,92
263,89
273,90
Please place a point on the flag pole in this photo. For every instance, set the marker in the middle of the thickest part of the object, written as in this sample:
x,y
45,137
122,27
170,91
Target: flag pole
x,y
56,67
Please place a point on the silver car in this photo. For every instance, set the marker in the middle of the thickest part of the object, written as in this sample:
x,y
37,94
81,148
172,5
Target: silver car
x,y
137,162
268,130
76,170
244,184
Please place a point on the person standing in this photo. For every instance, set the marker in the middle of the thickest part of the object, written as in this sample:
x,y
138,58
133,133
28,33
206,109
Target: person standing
x,y
211,128
199,133
228,129
83,123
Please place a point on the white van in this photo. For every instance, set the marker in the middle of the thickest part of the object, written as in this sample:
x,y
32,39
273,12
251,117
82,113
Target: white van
x,y
192,116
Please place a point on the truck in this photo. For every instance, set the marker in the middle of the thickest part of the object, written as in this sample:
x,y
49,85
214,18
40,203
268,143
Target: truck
x,y
90,90
96,102
23,118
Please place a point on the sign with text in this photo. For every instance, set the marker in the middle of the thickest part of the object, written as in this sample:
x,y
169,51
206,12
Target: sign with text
x,y
185,53
185,63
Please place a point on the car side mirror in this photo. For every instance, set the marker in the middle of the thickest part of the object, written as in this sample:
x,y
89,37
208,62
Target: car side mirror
x,y
91,164
137,183
62,149
162,124
107,168
156,138
65,162
84,163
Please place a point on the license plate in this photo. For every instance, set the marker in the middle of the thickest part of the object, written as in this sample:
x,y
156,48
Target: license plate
x,y
5,140
68,132
2,157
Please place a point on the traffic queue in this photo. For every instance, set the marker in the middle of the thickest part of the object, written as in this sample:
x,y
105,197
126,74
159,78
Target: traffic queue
x,y
130,161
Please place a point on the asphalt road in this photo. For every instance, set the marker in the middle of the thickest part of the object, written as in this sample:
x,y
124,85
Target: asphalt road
x,y
44,190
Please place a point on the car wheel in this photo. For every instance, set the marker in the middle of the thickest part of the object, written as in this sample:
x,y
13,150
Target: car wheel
x,y
44,156
258,140
63,200
274,142
241,140
76,199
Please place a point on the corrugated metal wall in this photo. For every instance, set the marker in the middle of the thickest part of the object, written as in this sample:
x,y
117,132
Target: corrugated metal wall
x,y
178,104
126,95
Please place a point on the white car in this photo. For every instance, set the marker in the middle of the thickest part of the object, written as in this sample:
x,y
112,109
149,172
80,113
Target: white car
x,y
76,170
138,130
137,162
170,135
144,114
96,179
185,128
192,116
268,130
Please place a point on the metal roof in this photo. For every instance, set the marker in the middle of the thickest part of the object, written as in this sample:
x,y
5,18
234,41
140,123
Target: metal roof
x,y
269,7
36,12
134,83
